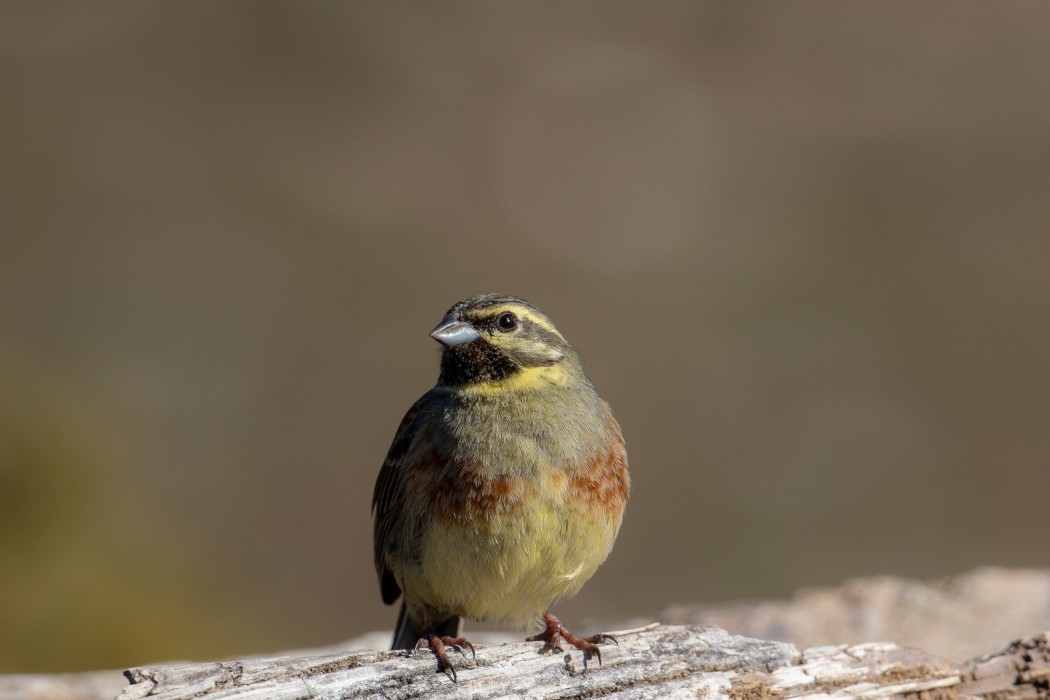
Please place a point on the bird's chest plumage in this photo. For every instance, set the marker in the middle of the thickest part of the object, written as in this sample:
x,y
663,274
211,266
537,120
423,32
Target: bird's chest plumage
x,y
538,512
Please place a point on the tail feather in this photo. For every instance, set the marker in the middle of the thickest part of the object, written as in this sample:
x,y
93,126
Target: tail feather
x,y
408,632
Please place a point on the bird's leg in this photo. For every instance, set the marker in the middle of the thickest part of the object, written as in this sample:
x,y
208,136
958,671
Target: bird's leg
x,y
554,630
438,643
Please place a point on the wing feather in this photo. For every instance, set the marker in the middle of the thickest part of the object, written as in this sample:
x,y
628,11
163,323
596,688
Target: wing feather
x,y
388,497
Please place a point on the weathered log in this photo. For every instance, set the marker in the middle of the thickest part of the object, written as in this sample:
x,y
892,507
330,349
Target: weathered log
x,y
954,618
659,661
957,617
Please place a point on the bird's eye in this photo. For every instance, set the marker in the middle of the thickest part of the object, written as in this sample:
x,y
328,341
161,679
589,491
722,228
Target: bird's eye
x,y
507,321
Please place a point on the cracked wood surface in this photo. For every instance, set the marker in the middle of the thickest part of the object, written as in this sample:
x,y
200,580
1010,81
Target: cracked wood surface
x,y
659,661
955,618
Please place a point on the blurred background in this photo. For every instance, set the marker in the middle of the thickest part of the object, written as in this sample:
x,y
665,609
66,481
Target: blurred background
x,y
802,247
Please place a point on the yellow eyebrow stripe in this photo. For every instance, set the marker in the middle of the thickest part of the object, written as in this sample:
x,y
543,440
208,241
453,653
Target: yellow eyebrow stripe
x,y
523,312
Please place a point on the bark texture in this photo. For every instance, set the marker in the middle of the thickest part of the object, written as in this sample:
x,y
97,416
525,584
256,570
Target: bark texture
x,y
660,661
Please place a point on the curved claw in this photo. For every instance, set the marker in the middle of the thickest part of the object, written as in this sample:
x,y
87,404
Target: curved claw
x,y
554,631
595,651
438,644
459,643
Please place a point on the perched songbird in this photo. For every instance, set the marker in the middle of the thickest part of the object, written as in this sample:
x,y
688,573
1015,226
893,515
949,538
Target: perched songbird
x,y
505,485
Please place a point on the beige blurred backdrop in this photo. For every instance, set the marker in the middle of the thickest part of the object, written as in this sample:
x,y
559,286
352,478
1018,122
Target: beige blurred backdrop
x,y
803,248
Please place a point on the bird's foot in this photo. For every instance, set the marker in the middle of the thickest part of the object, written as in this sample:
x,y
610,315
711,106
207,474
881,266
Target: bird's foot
x,y
437,645
554,632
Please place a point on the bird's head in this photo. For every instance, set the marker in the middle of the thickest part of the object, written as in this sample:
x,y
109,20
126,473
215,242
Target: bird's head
x,y
495,342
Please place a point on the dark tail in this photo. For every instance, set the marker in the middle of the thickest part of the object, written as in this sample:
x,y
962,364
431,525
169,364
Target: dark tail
x,y
408,632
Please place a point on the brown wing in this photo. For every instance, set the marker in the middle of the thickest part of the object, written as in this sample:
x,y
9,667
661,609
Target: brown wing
x,y
387,498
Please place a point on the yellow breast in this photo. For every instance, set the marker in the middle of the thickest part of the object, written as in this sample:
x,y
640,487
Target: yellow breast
x,y
503,549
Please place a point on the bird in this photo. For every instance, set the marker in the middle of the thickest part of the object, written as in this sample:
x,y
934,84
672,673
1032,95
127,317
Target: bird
x,y
505,485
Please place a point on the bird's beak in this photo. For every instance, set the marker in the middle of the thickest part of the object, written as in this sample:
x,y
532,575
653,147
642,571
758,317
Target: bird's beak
x,y
450,333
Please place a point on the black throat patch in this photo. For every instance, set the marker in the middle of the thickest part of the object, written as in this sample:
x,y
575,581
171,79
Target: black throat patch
x,y
476,361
